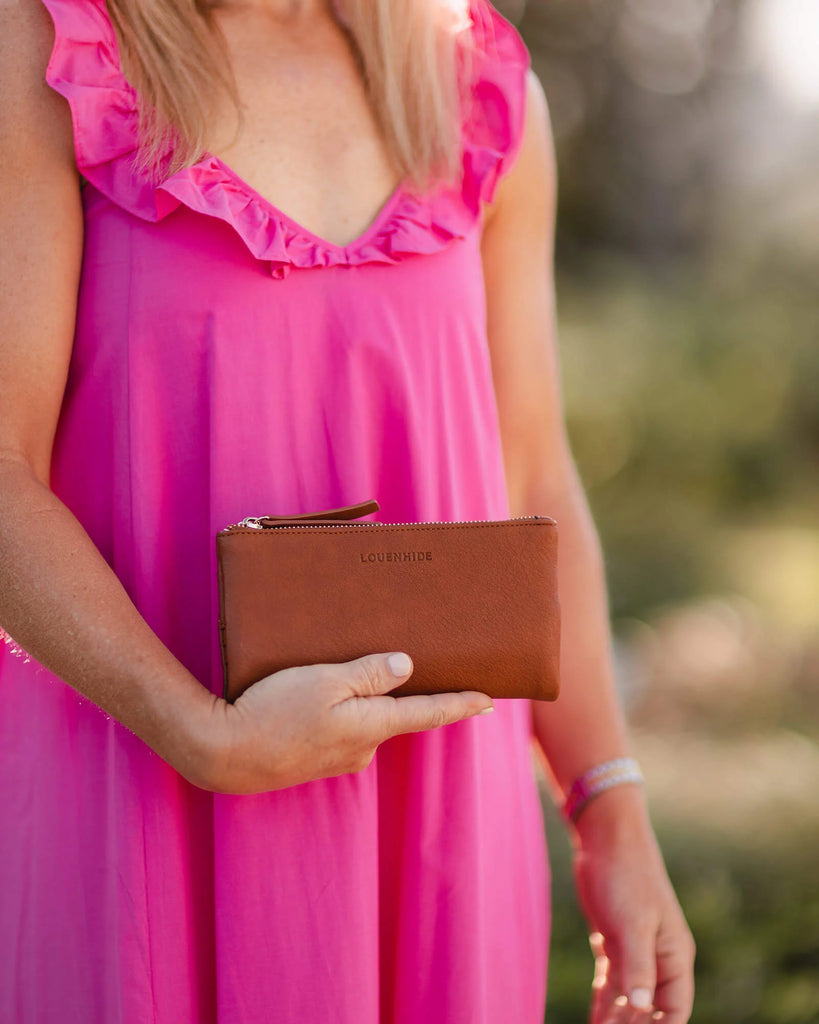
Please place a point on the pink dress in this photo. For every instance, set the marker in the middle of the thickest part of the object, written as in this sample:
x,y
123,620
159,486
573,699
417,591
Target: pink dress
x,y
228,362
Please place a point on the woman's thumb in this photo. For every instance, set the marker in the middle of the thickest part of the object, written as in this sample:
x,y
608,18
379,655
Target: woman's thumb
x,y
638,968
376,674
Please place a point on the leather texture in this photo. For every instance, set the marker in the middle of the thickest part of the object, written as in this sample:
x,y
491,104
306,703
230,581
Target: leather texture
x,y
474,604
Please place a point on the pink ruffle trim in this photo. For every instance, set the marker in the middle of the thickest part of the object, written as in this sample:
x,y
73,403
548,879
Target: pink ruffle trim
x,y
85,69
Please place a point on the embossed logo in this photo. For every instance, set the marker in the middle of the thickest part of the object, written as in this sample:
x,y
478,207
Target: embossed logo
x,y
395,556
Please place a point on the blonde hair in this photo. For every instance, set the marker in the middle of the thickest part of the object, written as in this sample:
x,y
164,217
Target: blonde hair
x,y
410,52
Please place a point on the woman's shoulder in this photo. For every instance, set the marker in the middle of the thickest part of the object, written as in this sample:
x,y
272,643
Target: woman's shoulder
x,y
35,123
84,73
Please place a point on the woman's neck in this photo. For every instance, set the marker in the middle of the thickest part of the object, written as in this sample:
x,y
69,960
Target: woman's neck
x,y
286,12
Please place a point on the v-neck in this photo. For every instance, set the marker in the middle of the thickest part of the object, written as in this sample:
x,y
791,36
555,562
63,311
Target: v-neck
x,y
372,228
379,219
85,68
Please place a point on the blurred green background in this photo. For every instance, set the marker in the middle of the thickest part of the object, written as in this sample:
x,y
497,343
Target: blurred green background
x,y
688,309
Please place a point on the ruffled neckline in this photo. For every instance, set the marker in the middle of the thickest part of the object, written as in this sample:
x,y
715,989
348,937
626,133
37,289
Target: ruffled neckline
x,y
85,68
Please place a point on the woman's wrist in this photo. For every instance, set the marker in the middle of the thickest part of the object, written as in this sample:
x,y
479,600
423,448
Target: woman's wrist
x,y
197,759
613,817
603,776
183,727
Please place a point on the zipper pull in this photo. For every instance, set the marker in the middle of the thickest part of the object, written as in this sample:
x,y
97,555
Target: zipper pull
x,y
363,508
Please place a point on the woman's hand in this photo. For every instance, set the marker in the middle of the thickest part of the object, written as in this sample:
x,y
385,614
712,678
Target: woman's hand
x,y
317,721
643,948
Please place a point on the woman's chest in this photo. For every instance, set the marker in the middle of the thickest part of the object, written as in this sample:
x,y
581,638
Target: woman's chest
x,y
307,139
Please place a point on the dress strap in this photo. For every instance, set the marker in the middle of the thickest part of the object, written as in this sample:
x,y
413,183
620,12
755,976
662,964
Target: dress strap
x,y
85,68
493,130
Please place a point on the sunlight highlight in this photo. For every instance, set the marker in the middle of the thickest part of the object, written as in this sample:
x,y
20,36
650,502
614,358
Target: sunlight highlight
x,y
786,36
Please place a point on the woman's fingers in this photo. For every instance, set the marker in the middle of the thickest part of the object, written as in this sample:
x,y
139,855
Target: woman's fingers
x,y
609,1005
661,964
675,976
416,713
370,679
638,966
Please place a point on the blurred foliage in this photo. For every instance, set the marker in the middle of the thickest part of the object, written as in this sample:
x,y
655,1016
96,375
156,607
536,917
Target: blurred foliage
x,y
634,88
689,343
691,404
688,313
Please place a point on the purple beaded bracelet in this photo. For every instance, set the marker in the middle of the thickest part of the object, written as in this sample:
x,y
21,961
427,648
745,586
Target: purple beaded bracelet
x,y
597,780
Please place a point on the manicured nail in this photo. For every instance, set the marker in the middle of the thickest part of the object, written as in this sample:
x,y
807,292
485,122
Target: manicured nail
x,y
640,998
487,711
400,663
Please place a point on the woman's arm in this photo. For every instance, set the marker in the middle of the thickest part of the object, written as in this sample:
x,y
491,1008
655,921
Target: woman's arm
x,y
621,878
59,598
540,471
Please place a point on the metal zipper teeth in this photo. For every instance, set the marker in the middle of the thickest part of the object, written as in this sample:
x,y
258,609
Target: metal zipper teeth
x,y
252,523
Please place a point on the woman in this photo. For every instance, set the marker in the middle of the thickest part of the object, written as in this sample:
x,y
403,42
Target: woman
x,y
176,353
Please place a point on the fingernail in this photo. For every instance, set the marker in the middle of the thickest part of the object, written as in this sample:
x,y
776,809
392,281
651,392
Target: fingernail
x,y
640,998
487,711
400,664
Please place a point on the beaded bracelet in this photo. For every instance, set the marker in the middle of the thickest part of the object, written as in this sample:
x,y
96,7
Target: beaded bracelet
x,y
597,780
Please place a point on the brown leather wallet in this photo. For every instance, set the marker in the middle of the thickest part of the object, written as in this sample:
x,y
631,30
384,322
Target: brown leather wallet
x,y
474,604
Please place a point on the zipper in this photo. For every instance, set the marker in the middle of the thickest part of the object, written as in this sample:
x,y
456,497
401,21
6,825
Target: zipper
x,y
257,523
334,516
